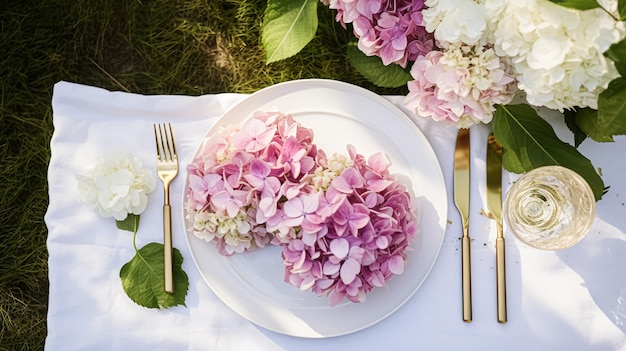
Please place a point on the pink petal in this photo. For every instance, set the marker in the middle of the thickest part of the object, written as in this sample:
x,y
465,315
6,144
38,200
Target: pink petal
x,y
310,203
348,180
335,296
378,162
349,269
377,279
382,242
301,259
396,264
330,268
293,208
339,247
309,238
232,209
307,283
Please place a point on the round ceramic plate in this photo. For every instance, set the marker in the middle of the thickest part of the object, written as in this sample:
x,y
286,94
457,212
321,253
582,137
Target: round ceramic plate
x,y
339,114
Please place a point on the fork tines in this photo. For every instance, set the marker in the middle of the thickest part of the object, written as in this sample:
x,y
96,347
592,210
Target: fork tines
x,y
166,147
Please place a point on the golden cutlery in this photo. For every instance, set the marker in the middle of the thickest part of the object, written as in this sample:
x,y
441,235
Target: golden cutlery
x,y
494,202
462,200
167,169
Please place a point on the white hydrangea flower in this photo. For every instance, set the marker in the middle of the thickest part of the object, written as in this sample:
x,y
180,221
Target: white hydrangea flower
x,y
116,186
339,162
556,52
455,21
335,164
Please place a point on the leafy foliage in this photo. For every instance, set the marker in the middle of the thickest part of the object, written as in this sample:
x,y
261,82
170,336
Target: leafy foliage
x,y
570,121
617,53
529,142
610,118
288,26
578,4
130,223
143,279
372,68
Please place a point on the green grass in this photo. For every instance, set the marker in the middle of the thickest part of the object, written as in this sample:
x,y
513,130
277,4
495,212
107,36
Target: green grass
x,y
151,47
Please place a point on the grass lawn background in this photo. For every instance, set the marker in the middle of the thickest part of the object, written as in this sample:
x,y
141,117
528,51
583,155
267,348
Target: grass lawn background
x,y
189,47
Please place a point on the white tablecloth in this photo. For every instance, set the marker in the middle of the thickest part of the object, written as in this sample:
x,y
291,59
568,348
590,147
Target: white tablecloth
x,y
574,299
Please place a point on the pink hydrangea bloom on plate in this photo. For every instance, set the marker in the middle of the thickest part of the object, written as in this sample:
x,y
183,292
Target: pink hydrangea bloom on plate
x,y
344,222
238,177
361,242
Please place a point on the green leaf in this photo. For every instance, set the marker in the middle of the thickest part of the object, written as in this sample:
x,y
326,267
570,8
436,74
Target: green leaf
x,y
621,9
143,278
587,120
529,142
570,122
372,68
577,4
130,223
288,25
610,119
617,53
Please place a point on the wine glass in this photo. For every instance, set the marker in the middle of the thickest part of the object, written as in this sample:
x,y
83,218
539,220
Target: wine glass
x,y
550,208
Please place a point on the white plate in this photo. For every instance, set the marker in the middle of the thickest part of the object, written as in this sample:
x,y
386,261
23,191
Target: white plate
x,y
339,114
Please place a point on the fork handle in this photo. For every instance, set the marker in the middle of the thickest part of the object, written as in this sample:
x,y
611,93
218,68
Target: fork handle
x,y
167,248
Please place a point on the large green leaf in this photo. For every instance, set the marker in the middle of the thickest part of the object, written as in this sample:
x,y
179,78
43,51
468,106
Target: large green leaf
x,y
288,25
131,223
529,142
577,4
143,279
621,9
570,122
587,120
617,53
372,68
610,119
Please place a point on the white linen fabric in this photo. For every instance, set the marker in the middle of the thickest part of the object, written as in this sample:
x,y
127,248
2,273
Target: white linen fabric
x,y
573,299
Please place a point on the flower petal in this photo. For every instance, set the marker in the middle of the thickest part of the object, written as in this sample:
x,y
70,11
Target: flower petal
x,y
349,269
339,247
396,264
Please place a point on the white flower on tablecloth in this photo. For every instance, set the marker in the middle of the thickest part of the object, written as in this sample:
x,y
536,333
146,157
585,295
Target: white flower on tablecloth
x,y
557,53
116,185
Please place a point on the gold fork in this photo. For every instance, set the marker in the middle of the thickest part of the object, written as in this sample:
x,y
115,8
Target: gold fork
x,y
167,169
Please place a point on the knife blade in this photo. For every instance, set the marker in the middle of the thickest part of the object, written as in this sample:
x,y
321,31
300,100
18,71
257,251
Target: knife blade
x,y
494,203
462,202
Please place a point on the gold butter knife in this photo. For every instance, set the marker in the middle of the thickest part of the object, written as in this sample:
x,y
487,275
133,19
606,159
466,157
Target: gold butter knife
x,y
462,202
494,202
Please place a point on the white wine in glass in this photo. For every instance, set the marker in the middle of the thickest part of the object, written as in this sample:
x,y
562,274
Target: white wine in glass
x,y
550,208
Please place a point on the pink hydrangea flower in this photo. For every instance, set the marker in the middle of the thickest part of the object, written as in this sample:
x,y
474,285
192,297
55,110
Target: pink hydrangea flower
x,y
363,239
390,29
460,85
237,179
343,222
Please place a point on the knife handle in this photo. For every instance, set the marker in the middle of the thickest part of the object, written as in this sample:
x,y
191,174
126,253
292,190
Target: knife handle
x,y
467,279
501,280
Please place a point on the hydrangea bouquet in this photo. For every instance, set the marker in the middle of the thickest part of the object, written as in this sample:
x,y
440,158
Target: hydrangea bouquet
x,y
465,62
343,221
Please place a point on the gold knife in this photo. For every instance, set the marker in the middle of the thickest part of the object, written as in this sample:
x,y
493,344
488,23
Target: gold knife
x,y
462,202
494,202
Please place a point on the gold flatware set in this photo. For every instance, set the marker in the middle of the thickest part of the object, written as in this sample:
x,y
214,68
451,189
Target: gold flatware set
x,y
494,204
167,170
